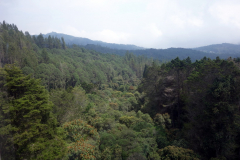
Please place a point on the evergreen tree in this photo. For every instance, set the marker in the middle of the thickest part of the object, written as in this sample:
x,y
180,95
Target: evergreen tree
x,y
33,127
40,41
34,39
6,145
63,43
50,42
213,109
45,56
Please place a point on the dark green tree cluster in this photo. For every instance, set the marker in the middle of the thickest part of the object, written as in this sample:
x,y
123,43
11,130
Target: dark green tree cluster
x,y
202,99
50,42
29,128
15,46
136,63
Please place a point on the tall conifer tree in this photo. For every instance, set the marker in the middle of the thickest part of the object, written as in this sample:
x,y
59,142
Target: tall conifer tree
x,y
34,129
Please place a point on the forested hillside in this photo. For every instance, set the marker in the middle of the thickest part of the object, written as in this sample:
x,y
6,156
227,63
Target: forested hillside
x,y
68,102
70,40
167,54
224,48
61,67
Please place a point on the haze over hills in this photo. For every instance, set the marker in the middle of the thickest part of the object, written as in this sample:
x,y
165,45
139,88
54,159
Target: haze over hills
x,y
160,54
224,50
85,41
164,54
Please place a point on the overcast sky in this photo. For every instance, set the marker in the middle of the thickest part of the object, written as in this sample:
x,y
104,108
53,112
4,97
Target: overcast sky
x,y
146,23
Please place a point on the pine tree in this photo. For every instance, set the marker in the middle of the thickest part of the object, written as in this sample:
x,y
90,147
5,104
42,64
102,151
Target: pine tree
x,y
6,145
45,56
34,129
63,43
50,42
40,40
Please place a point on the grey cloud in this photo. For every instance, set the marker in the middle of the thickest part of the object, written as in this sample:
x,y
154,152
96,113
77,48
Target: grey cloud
x,y
152,24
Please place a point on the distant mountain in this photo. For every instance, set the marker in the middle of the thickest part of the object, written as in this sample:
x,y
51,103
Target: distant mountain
x,y
85,41
162,54
224,48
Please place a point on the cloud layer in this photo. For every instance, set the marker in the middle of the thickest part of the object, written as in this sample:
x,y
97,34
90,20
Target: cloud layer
x,y
146,23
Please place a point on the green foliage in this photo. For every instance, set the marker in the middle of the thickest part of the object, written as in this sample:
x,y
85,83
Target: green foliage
x,y
34,129
128,120
45,56
175,153
68,105
83,140
200,100
61,66
177,105
163,120
6,144
218,108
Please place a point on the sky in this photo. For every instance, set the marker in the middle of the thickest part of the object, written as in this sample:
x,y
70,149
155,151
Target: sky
x,y
145,23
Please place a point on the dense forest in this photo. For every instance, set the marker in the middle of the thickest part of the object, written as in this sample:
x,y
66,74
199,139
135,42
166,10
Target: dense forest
x,y
61,101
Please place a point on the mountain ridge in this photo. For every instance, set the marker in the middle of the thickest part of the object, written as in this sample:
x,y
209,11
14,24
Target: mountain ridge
x,y
223,48
162,54
69,39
